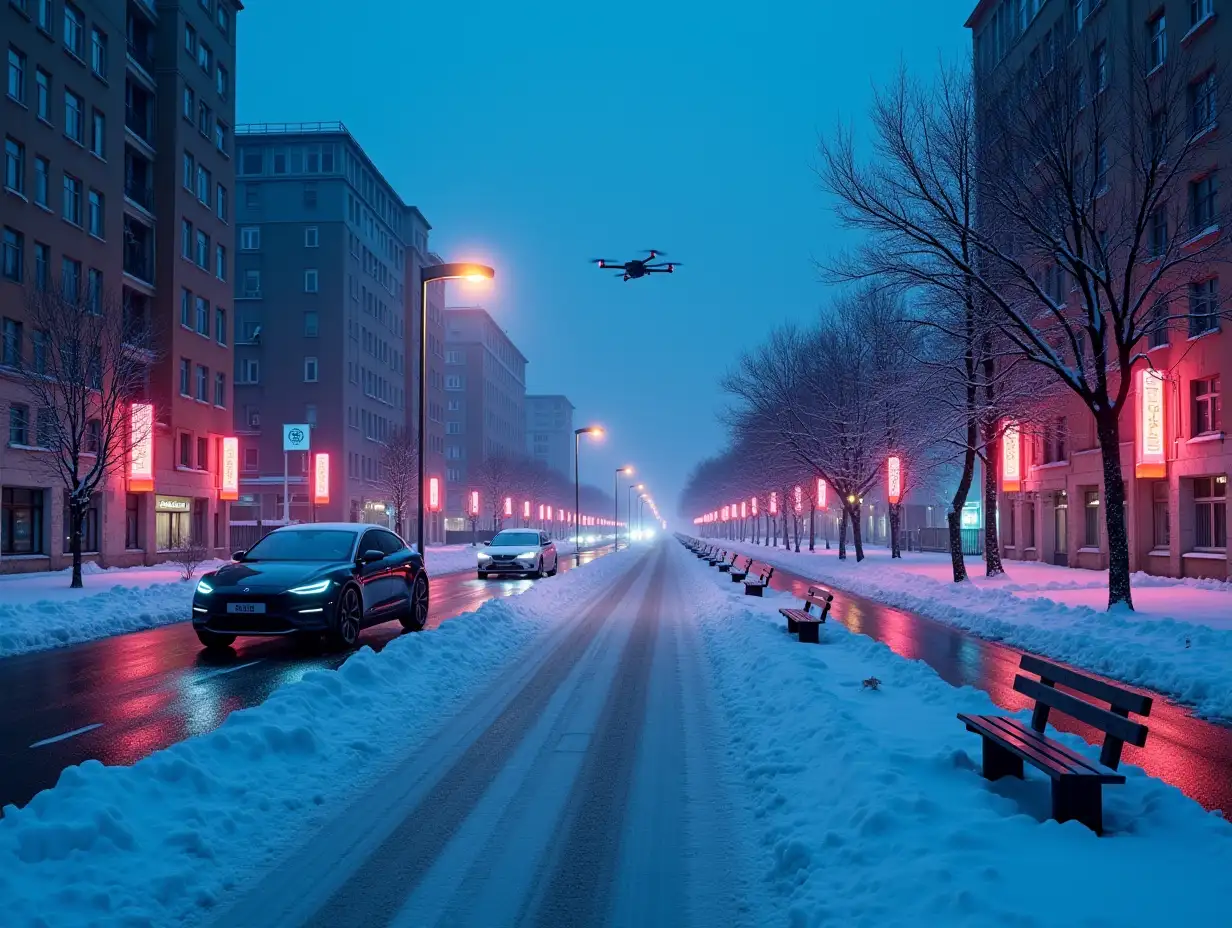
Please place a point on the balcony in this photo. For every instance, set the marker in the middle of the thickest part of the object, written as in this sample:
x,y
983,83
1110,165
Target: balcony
x,y
139,38
138,318
138,179
139,112
138,250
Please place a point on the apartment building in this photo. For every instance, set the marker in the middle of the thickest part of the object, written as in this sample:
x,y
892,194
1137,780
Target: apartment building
x,y
485,390
326,320
549,432
1177,492
117,124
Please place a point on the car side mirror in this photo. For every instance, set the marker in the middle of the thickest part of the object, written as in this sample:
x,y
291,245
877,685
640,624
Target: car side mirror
x,y
371,556
238,555
486,543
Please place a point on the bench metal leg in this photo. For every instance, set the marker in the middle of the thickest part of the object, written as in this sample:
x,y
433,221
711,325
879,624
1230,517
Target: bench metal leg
x,y
810,632
793,628
736,578
1079,799
998,762
752,591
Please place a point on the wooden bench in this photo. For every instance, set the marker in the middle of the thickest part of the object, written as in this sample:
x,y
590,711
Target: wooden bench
x,y
725,566
803,621
739,572
1076,781
757,578
716,557
704,553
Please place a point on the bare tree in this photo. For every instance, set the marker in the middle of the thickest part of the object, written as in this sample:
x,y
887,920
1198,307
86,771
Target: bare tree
x,y
189,555
87,364
399,475
496,478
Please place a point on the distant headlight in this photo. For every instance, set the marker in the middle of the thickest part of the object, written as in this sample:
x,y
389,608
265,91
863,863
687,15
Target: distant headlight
x,y
528,555
203,587
484,556
309,589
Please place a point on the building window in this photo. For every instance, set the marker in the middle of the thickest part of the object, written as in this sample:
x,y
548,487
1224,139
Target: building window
x,y
1157,325
311,324
14,249
223,17
203,383
220,202
74,117
21,521
1207,415
204,182
252,459
1211,513
312,237
249,371
185,377
1200,10
17,75
186,307
190,103
189,172
71,209
203,250
1202,203
1055,434
94,291
205,119
203,316
205,57
220,262
186,239
1202,103
98,134
222,81
453,382
1099,68
89,527
70,278
1203,307
220,136
190,40
45,15
252,161
96,214
1158,232
42,95
252,284
1161,531
310,280
42,266
132,521
74,30
220,390
1090,512
12,351
42,182
19,424
220,325
1156,41
14,165
98,51
310,370
250,238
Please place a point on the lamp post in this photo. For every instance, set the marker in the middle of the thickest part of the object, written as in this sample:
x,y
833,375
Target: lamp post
x,y
596,432
627,471
427,274
639,487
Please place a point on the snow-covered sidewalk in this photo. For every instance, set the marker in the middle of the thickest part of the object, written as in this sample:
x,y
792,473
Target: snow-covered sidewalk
x,y
872,811
1177,642
165,841
39,611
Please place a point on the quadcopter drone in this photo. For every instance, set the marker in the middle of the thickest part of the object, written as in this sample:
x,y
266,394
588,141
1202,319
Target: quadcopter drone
x,y
639,267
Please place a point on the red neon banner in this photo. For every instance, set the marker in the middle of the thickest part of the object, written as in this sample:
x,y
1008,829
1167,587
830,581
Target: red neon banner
x,y
1011,458
526,510
229,469
821,493
1151,462
474,502
753,503
320,479
141,459
894,478
508,505
434,494
799,498
774,504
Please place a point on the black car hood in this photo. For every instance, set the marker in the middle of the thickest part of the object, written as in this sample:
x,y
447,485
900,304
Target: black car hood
x,y
271,576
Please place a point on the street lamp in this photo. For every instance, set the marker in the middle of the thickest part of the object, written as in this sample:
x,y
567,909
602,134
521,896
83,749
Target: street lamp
x,y
454,271
639,487
627,471
595,432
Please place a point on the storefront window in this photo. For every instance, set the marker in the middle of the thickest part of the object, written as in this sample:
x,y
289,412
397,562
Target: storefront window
x,y
132,521
21,521
200,508
1211,513
89,528
171,521
1090,512
1161,533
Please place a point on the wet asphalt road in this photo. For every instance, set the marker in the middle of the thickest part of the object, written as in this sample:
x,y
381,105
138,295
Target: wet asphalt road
x,y
119,699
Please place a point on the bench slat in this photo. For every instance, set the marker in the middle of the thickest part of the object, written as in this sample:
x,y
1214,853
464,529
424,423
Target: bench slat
x,y
1058,761
1109,722
1113,695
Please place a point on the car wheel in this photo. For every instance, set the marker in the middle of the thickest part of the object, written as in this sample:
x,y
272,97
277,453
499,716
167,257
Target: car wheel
x,y
555,566
416,615
215,640
482,575
347,619
540,573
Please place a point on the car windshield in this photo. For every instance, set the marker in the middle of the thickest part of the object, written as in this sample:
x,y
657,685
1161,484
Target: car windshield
x,y
303,545
517,539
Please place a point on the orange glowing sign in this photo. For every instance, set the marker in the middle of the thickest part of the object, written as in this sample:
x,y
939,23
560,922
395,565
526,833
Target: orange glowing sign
x,y
894,475
1011,458
1151,461
821,494
230,469
434,494
774,504
320,480
508,505
141,460
474,502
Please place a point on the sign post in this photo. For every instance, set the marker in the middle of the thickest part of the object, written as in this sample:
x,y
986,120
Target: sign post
x,y
294,438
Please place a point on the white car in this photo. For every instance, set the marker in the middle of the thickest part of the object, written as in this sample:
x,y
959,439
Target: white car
x,y
519,551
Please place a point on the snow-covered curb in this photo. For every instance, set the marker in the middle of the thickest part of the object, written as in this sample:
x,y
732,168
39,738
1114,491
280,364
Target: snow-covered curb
x,y
1189,661
872,810
39,611
163,841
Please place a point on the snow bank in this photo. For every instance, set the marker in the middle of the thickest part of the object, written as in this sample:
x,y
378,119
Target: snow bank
x,y
872,810
163,841
39,611
1178,642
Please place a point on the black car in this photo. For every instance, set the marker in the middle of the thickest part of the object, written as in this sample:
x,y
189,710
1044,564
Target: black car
x,y
330,579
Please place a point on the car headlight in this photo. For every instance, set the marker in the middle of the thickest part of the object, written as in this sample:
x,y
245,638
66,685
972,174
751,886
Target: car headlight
x,y
528,555
310,588
484,556
203,587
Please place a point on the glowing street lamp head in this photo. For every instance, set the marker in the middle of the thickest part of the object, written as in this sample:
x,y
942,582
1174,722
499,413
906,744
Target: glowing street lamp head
x,y
627,471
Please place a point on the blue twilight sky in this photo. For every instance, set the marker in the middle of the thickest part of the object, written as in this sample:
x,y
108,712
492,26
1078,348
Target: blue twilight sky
x,y
538,135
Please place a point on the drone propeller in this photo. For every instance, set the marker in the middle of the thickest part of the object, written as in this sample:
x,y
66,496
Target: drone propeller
x,y
607,262
655,253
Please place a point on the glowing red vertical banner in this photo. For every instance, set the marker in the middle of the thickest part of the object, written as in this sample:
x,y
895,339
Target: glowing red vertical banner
x,y
434,494
229,470
320,479
526,510
141,458
894,478
798,492
1151,461
753,502
508,506
474,502
821,493
1011,458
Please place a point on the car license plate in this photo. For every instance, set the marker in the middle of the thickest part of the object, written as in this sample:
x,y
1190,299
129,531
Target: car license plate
x,y
246,608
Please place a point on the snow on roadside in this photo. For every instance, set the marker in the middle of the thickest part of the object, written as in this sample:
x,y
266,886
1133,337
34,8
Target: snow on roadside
x,y
1179,643
872,810
163,841
39,611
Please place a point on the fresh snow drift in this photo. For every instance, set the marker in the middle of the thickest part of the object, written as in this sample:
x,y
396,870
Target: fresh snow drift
x,y
1177,642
